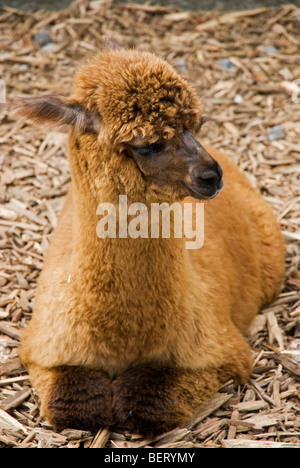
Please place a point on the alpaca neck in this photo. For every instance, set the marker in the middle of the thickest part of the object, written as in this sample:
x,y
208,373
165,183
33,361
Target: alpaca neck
x,y
119,263
121,241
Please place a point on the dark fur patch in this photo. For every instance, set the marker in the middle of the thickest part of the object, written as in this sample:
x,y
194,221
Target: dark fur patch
x,y
150,401
80,399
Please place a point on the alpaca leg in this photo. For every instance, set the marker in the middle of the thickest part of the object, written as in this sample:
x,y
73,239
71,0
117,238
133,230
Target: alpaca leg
x,y
150,400
153,400
73,397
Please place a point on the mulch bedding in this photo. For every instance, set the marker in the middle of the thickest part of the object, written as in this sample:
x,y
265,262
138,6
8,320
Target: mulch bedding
x,y
245,66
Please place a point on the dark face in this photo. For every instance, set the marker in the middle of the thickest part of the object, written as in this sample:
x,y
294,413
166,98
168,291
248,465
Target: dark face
x,y
185,168
171,170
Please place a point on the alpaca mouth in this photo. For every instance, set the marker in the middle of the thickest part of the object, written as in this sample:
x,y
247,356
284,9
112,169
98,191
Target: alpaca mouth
x,y
204,192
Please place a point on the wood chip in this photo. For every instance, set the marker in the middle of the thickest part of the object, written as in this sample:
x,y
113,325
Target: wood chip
x,y
101,438
249,406
275,333
260,421
22,378
16,399
216,402
9,423
171,437
10,331
244,443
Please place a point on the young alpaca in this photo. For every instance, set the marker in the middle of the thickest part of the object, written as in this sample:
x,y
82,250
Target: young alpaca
x,y
140,333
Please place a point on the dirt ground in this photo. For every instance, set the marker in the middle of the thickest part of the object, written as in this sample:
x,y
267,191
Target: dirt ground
x,y
245,65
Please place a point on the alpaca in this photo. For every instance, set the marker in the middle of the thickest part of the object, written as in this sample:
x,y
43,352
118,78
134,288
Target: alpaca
x,y
139,333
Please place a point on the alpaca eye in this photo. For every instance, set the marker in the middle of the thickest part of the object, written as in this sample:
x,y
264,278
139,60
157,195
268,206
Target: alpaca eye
x,y
148,150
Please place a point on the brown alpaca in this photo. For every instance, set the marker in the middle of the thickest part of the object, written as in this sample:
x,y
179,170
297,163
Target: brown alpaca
x,y
140,333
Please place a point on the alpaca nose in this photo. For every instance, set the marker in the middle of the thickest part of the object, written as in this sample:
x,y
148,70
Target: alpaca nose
x,y
209,177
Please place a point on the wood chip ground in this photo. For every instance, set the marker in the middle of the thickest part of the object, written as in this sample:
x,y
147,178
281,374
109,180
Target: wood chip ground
x,y
245,65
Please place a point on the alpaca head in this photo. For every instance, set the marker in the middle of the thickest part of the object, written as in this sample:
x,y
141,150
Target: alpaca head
x,y
143,117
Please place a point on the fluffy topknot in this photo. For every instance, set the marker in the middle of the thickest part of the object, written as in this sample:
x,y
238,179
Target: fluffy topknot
x,y
136,94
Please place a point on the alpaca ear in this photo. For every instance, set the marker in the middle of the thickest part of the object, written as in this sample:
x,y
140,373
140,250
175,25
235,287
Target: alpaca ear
x,y
58,111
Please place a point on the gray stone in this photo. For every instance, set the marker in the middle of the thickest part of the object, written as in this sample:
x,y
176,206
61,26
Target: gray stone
x,y
271,49
238,99
226,64
42,37
181,65
276,133
49,47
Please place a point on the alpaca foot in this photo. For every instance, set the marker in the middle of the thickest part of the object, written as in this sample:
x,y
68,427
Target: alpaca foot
x,y
151,401
79,398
